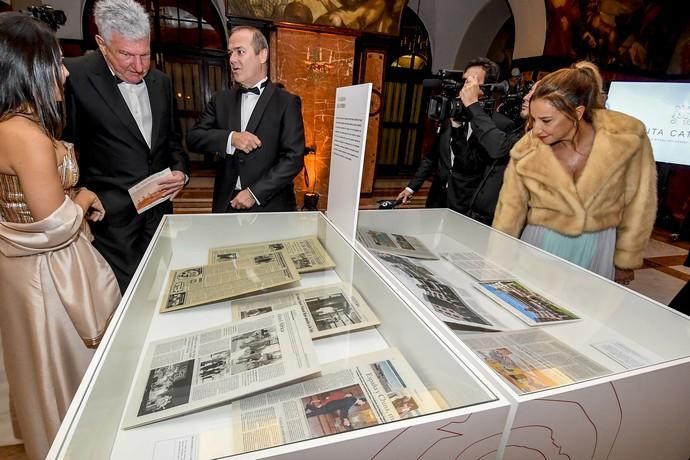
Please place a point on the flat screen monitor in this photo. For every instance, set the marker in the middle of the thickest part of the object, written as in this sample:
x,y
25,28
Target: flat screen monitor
x,y
664,107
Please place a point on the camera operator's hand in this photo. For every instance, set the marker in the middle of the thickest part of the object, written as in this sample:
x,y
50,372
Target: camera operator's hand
x,y
470,92
404,196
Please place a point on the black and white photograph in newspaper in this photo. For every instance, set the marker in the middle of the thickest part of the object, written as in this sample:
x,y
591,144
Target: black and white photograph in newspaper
x,y
167,386
332,311
442,298
254,349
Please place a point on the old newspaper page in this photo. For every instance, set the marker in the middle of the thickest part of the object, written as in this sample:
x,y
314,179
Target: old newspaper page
x,y
329,310
193,371
393,243
476,266
307,253
532,359
450,304
191,286
354,393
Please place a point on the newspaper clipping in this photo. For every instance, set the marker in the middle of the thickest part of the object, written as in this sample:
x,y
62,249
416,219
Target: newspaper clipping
x,y
355,393
476,266
192,286
190,372
532,360
328,310
532,308
456,308
306,253
392,243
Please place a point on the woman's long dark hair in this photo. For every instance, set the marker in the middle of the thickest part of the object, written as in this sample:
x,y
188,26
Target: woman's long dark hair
x,y
30,69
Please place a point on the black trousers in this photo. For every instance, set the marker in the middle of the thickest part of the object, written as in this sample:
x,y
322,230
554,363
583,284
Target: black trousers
x,y
123,246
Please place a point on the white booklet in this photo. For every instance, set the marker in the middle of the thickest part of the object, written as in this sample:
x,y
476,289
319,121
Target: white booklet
x,y
208,367
146,194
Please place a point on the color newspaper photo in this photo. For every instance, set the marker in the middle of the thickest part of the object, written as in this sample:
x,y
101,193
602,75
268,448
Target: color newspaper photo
x,y
532,308
339,410
352,393
532,359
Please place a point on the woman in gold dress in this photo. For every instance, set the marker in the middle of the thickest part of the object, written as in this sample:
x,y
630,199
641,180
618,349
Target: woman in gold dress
x,y
56,292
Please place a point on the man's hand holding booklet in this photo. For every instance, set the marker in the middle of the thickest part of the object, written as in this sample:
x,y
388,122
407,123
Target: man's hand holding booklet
x,y
150,192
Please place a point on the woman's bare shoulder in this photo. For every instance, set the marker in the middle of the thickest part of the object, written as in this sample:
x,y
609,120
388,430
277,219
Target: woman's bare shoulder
x,y
22,140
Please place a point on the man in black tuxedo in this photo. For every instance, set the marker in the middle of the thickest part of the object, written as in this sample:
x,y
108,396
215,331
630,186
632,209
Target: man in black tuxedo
x,y
121,119
468,155
256,128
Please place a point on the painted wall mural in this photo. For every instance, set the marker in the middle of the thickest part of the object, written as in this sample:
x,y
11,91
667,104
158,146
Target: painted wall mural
x,y
379,16
651,36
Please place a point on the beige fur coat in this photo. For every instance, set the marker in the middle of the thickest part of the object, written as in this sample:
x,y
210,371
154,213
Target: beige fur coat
x,y
617,188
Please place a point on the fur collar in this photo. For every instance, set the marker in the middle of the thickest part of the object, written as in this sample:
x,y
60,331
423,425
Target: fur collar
x,y
617,138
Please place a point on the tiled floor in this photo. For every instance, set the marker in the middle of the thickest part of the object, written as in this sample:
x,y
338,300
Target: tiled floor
x,y
660,279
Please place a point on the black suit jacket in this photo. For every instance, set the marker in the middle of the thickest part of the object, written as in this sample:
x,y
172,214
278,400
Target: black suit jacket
x,y
267,171
437,163
496,134
472,158
113,155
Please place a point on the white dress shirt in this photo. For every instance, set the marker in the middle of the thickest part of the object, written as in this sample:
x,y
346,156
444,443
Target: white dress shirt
x,y
249,101
136,97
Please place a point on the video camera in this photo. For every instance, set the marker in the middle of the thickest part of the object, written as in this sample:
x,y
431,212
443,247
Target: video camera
x,y
518,89
47,14
447,105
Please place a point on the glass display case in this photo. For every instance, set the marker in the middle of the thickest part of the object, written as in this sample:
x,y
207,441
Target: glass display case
x,y
594,369
389,384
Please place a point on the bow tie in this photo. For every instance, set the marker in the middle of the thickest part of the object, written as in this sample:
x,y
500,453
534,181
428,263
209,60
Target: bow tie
x,y
119,80
253,89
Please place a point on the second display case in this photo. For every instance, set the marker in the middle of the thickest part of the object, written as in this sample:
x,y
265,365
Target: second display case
x,y
592,369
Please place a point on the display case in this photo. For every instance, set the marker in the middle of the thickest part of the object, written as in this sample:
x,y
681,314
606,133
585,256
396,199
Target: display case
x,y
465,415
593,369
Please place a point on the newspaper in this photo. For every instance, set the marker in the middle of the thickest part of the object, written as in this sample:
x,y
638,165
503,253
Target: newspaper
x,y
623,354
193,371
353,393
146,193
329,310
532,360
454,306
532,308
476,266
306,253
392,243
191,286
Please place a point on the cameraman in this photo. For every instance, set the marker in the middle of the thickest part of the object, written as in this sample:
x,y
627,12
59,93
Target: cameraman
x,y
466,152
497,143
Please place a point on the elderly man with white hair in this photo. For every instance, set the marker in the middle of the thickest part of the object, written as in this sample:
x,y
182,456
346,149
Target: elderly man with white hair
x,y
121,119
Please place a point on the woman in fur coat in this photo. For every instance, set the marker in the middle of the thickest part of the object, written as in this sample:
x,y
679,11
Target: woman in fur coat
x,y
581,183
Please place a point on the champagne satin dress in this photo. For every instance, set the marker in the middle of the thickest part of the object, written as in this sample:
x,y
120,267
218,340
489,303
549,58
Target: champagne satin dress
x,y
57,295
